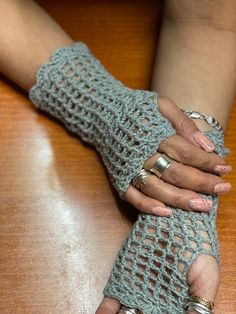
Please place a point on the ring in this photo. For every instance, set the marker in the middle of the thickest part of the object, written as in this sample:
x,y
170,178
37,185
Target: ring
x,y
203,301
162,163
199,308
139,179
127,310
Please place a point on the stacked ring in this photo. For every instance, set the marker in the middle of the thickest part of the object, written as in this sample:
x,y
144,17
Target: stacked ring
x,y
200,305
203,301
162,163
139,179
199,308
126,310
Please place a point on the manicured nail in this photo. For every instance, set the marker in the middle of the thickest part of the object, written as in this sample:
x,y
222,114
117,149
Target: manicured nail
x,y
222,169
162,211
203,141
222,188
200,203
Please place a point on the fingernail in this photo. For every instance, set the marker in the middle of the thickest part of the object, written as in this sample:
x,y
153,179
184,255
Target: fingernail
x,y
200,203
222,188
222,168
162,211
203,141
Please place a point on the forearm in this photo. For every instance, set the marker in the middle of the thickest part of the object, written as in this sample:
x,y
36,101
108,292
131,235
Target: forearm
x,y
196,60
74,87
28,35
124,125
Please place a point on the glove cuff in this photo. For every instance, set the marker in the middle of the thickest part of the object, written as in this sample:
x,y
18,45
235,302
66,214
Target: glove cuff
x,y
123,124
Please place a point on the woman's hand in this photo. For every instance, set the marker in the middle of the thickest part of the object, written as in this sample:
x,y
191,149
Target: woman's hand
x,y
126,127
196,169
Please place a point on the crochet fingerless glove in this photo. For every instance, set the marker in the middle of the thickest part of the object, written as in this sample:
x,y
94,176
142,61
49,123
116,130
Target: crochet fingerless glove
x,y
151,269
123,124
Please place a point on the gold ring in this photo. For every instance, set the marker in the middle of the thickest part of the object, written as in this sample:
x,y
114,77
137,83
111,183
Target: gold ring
x,y
209,304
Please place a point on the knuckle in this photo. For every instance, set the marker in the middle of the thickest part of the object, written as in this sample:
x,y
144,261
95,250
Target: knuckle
x,y
205,163
146,186
168,144
185,153
165,143
209,165
151,187
200,181
141,205
202,186
175,173
205,184
180,201
184,122
186,126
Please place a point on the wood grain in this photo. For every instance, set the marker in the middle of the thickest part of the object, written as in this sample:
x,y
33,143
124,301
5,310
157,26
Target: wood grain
x,y
60,223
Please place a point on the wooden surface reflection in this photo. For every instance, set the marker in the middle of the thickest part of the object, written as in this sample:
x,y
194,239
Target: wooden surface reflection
x,y
60,223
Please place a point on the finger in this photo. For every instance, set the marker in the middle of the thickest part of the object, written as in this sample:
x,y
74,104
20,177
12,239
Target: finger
x,y
173,196
190,178
146,204
108,306
183,125
184,152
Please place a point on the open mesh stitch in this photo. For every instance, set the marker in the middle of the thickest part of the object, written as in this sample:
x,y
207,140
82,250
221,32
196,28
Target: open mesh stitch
x,y
150,271
123,124
126,127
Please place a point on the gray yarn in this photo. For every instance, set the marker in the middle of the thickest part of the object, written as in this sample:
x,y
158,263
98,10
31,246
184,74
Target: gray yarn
x,y
123,124
146,273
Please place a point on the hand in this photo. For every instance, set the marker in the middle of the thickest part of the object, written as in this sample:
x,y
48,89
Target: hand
x,y
196,169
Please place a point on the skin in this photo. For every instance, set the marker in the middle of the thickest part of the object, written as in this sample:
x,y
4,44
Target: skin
x,y
26,22
28,41
196,49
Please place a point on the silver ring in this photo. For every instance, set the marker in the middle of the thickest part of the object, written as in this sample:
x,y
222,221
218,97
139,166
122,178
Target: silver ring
x,y
199,308
127,310
161,164
139,179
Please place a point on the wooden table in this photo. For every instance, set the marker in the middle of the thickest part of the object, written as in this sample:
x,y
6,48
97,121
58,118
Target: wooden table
x,y
60,223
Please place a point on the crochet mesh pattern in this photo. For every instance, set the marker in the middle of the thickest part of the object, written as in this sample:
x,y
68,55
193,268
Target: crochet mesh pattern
x,y
123,124
150,271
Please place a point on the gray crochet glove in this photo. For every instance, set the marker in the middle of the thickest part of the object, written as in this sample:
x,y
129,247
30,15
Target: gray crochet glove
x,y
150,271
123,124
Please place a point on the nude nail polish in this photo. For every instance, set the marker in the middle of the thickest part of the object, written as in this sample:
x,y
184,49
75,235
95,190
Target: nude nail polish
x,y
222,188
200,204
203,141
162,211
222,169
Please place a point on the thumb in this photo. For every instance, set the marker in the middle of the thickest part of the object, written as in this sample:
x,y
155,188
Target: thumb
x,y
183,125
